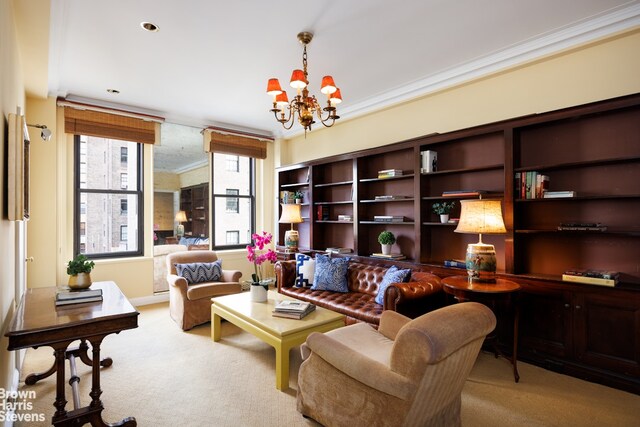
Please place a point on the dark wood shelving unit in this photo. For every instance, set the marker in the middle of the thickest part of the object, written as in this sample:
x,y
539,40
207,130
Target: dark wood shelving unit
x,y
194,201
594,149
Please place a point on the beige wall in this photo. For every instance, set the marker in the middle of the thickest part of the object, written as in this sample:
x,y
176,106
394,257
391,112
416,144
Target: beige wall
x,y
11,97
166,181
194,177
599,71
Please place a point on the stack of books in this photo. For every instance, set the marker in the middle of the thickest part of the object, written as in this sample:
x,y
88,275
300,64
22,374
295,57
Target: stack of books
x,y
464,193
592,277
345,217
396,257
457,263
339,250
558,194
293,309
581,226
388,218
531,185
389,173
322,213
390,197
78,297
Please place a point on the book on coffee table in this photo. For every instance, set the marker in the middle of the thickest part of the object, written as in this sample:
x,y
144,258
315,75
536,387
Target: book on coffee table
x,y
293,309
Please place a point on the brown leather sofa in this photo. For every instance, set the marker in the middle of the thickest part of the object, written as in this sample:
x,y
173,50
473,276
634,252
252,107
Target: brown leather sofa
x,y
420,295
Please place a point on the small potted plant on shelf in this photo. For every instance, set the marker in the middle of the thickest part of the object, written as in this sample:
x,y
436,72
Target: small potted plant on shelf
x,y
299,195
386,240
443,209
79,270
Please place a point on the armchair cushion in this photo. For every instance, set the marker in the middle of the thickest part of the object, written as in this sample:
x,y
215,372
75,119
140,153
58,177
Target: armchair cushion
x,y
305,270
199,272
330,274
393,275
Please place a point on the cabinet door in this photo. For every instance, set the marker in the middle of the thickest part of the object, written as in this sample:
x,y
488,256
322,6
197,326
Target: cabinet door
x,y
607,332
545,322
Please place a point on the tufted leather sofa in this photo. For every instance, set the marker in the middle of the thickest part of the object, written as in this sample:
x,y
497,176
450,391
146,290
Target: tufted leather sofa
x,y
420,295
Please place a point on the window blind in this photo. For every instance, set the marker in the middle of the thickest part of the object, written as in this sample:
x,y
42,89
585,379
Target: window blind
x,y
237,143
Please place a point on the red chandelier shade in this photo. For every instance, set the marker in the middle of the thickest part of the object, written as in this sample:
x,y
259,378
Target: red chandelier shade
x,y
282,100
273,87
328,86
335,97
298,81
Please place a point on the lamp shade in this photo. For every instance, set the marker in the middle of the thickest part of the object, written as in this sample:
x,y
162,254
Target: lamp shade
x,y
290,214
282,100
482,216
328,86
298,81
336,97
273,87
181,216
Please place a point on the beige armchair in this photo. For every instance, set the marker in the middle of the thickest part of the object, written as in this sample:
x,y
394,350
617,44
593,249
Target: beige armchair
x,y
407,373
190,305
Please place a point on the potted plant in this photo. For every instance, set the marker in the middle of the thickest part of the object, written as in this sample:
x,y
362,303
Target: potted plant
x,y
443,209
298,196
260,285
79,270
386,239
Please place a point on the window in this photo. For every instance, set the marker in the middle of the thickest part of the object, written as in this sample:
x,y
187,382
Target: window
x,y
123,154
233,163
233,237
108,198
233,202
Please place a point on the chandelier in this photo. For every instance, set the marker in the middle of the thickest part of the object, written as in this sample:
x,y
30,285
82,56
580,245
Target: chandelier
x,y
302,105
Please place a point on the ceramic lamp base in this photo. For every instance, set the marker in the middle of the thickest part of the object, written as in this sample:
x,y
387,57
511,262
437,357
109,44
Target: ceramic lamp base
x,y
291,238
481,262
180,230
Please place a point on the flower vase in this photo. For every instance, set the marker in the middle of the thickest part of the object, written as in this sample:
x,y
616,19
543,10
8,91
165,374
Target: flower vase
x,y
259,291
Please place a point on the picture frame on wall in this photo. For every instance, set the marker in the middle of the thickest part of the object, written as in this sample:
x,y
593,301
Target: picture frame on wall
x,y
18,158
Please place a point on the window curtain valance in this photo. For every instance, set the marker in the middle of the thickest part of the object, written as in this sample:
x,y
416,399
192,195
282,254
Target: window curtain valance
x,y
225,141
85,119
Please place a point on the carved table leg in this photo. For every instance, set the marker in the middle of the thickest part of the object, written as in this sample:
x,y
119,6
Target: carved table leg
x,y
84,356
34,378
61,401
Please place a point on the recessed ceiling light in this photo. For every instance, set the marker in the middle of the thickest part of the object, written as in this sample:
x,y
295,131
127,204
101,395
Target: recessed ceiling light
x,y
116,91
153,28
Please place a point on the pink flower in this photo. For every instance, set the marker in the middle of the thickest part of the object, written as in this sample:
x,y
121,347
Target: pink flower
x,y
259,243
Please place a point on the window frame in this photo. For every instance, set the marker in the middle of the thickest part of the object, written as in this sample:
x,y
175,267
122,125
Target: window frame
x,y
77,192
251,197
231,196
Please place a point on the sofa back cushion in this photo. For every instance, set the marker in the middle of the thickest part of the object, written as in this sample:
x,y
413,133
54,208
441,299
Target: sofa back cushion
x,y
365,278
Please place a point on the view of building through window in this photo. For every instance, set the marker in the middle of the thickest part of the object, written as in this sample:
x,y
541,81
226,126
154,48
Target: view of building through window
x,y
108,196
233,200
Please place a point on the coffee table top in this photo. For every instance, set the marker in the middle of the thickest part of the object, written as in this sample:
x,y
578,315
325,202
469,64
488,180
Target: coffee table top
x,y
260,313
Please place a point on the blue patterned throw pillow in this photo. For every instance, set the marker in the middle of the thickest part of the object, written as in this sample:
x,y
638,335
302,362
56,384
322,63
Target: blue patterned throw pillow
x,y
330,274
393,275
199,272
305,269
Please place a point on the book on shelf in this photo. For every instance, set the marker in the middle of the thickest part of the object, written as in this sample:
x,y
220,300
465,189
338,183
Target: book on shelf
x,y
463,193
396,257
559,194
599,274
589,280
345,217
339,250
322,213
391,197
581,226
389,173
428,161
388,218
457,263
531,184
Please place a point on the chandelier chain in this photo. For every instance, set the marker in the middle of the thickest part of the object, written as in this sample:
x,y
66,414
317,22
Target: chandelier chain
x,y
304,63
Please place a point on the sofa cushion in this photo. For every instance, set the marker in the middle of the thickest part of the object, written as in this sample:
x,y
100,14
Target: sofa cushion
x,y
305,270
330,274
393,275
199,272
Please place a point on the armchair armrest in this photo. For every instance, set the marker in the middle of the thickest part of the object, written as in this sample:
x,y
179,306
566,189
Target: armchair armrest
x,y
359,367
422,285
391,322
231,276
285,273
178,282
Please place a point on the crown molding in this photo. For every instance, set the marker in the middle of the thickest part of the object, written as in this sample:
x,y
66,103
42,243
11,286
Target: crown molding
x,y
589,30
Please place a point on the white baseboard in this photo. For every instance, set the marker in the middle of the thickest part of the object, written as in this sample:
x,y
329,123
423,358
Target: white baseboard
x,y
15,381
152,299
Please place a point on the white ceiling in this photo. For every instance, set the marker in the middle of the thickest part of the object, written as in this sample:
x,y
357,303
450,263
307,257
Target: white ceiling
x,y
210,61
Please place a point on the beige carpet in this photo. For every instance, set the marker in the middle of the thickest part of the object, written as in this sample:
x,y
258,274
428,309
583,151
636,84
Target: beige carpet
x,y
166,377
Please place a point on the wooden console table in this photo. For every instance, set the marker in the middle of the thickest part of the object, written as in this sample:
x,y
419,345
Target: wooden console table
x,y
489,294
38,322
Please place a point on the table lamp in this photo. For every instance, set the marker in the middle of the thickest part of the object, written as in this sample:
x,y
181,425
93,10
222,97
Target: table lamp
x,y
481,216
290,214
181,217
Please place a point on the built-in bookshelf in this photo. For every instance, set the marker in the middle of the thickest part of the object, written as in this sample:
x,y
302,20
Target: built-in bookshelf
x,y
194,201
592,150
